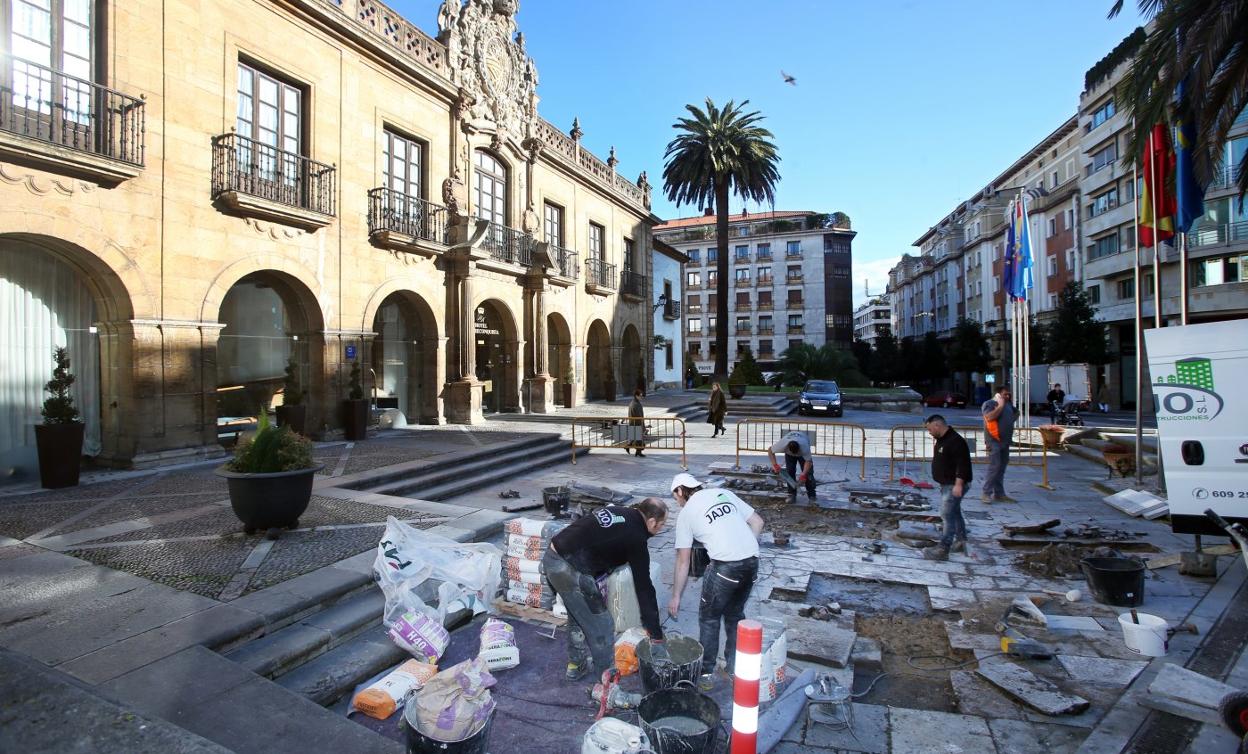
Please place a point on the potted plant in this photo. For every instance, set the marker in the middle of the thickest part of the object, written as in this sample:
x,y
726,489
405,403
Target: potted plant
x,y
270,478
355,407
1051,434
59,438
293,412
569,384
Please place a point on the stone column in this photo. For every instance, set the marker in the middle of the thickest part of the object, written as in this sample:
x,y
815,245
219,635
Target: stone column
x,y
538,385
463,397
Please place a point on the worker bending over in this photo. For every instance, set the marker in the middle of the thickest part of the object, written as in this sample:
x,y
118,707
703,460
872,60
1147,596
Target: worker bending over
x,y
796,448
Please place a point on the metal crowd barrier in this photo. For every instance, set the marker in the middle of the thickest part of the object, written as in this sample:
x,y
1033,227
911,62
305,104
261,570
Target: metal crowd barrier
x,y
826,438
657,433
908,443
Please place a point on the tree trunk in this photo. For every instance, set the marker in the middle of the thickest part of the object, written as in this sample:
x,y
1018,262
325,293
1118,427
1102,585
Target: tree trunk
x,y
721,284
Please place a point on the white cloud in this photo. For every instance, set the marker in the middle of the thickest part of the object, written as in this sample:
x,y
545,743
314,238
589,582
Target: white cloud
x,y
875,272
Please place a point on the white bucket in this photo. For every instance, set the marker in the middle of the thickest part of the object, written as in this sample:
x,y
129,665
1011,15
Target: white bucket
x,y
1148,637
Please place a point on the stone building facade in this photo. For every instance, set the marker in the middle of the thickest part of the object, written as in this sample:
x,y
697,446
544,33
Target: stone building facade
x,y
195,195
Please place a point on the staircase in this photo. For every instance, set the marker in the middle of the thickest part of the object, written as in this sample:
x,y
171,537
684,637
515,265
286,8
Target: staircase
x,y
750,407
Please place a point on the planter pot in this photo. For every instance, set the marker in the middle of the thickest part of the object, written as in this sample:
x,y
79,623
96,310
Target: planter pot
x,y
60,453
1052,437
608,390
737,391
569,395
295,417
355,419
269,501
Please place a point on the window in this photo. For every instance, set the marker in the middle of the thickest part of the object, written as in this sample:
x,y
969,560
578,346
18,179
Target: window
x,y
712,256
57,34
743,276
711,300
840,271
712,349
794,272
628,254
695,348
1053,179
1052,301
401,164
1102,203
693,279
1148,283
1070,260
269,112
764,275
1102,114
1128,238
764,346
596,248
764,298
794,342
1070,219
712,278
695,324
668,356
1104,157
996,251
554,224
1104,246
1052,266
1220,270
695,256
795,297
1052,227
996,284
693,304
489,183
1094,294
795,321
793,248
743,324
764,251
743,300
1128,190
764,324
1126,289
742,252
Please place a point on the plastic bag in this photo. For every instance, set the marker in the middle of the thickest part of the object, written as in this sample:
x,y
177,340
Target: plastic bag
x,y
466,575
626,650
498,645
455,703
622,597
383,698
421,635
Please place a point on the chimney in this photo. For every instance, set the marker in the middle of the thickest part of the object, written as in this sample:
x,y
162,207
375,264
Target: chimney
x,y
708,211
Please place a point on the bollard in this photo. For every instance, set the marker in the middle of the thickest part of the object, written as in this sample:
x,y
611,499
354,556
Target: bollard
x,y
748,667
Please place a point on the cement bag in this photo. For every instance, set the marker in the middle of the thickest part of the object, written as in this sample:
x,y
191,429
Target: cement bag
x,y
534,527
513,567
529,594
423,636
775,657
465,575
498,645
456,703
383,698
524,546
622,597
626,650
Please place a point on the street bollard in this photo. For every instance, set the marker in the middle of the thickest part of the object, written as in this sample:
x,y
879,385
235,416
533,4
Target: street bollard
x,y
749,662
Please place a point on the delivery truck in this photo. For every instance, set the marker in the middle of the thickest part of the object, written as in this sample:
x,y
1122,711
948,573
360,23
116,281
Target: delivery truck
x,y
1073,378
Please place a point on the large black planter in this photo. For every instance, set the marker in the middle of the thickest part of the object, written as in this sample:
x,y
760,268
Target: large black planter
x,y
60,453
270,501
569,395
295,417
737,391
355,419
608,390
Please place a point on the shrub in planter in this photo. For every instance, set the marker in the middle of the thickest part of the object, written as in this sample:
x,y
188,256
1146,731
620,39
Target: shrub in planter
x,y
270,478
293,412
355,408
59,438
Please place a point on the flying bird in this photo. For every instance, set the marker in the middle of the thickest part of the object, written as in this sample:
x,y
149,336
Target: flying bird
x,y
788,79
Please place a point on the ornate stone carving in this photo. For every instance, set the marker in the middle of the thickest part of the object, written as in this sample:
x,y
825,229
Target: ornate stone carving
x,y
530,220
496,76
576,133
611,161
41,185
276,232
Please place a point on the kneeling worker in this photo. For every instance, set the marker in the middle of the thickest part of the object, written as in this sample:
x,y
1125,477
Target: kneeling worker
x,y
589,548
796,448
729,529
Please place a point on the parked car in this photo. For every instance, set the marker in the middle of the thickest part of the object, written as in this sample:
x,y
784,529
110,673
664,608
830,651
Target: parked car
x,y
945,399
820,395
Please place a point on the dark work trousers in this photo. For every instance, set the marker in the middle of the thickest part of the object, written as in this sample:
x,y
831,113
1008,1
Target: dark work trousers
x,y
591,630
998,459
952,522
794,465
725,588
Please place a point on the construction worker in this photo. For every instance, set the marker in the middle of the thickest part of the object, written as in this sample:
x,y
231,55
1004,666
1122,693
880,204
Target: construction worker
x,y
951,468
796,448
729,529
999,416
589,548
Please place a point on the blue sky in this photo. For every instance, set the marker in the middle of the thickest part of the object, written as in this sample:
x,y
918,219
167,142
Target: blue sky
x,y
901,109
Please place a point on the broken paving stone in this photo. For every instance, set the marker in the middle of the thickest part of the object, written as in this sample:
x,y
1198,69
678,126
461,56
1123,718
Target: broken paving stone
x,y
1118,673
1032,691
1189,687
976,696
1019,737
866,653
819,641
945,598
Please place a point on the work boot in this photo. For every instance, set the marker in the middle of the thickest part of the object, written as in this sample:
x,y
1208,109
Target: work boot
x,y
1003,499
577,670
628,451
986,498
639,455
959,545
936,552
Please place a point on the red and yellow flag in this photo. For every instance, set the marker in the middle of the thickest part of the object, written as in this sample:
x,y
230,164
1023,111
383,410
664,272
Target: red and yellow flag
x,y
1158,193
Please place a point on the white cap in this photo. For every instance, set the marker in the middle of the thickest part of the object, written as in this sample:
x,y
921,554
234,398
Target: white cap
x,y
685,480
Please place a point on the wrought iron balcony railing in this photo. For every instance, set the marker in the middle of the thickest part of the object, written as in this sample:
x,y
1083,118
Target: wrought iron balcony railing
x,y
671,309
693,286
1218,235
744,306
390,210
508,245
249,167
764,306
796,303
765,329
632,283
567,262
796,328
600,273
53,107
743,329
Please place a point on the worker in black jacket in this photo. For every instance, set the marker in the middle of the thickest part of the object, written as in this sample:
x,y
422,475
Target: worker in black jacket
x,y
951,468
591,547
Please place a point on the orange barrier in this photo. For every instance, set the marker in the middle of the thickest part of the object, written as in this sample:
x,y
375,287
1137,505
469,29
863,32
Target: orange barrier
x,y
908,443
834,439
657,433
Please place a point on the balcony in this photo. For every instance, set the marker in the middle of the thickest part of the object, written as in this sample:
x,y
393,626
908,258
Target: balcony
x,y
741,283
765,329
1218,235
508,245
88,129
768,354
693,309
691,286
671,309
744,306
764,306
599,276
263,181
405,223
567,263
796,303
695,333
796,329
763,282
792,253
764,258
793,278
743,329
632,285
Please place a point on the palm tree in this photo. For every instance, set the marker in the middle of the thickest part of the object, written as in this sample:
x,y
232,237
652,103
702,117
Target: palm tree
x,y
1200,43
720,151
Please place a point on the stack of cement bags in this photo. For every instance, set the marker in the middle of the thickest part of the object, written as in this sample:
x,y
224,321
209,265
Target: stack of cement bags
x,y
526,543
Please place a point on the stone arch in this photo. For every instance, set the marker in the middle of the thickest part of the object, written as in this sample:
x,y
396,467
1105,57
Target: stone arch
x,y
426,287
496,338
600,381
560,356
406,353
289,270
101,272
632,365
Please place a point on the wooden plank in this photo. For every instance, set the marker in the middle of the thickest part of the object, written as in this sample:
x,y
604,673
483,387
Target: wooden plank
x,y
1163,561
528,614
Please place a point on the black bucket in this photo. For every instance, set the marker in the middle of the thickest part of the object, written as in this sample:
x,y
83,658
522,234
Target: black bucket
x,y
419,743
686,663
680,721
556,500
699,560
1115,581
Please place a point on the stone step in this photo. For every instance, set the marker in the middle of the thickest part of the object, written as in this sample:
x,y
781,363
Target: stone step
x,y
277,653
375,479
498,470
330,676
439,474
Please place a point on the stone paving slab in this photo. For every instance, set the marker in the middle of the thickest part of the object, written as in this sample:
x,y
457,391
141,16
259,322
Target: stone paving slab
x,y
1031,690
1099,670
926,731
870,733
130,508
1019,737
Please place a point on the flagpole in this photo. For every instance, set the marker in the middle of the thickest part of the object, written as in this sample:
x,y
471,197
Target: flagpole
x,y
1152,198
1183,278
1139,331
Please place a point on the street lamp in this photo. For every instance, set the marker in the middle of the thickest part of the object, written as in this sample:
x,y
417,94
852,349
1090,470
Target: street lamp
x,y
662,300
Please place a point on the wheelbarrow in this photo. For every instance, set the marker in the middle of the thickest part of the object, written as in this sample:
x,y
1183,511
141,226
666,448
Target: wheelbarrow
x,y
1233,708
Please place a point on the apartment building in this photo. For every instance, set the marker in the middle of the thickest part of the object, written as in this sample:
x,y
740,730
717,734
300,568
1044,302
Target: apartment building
x,y
669,336
192,200
791,282
872,319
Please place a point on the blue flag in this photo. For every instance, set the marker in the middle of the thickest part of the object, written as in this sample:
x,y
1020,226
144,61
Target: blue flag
x,y
1007,267
1019,261
1190,194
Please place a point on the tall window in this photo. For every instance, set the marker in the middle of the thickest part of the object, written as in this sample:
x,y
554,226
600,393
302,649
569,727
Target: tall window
x,y
489,183
764,251
596,248
554,223
693,279
793,248
628,254
695,324
1104,246
695,256
1103,158
764,274
270,112
402,158
743,276
742,252
56,34
712,256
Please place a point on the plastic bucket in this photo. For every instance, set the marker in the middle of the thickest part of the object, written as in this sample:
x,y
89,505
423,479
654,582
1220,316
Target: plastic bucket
x,y
1148,637
686,664
556,499
679,721
698,560
419,743
1115,581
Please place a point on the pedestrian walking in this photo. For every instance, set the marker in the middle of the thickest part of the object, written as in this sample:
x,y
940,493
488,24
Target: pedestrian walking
x,y
999,416
588,549
1102,398
636,419
951,469
1056,400
729,529
717,409
796,448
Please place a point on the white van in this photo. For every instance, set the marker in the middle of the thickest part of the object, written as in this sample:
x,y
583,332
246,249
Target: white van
x,y
1200,389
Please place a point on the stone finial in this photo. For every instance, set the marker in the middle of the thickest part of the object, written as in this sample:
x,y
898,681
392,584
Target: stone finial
x,y
611,161
576,133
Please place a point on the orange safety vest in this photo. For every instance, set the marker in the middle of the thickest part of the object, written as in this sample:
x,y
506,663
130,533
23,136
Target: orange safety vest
x,y
991,427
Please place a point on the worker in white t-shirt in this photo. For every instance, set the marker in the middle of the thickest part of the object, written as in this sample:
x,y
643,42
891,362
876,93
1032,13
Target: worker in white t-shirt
x,y
728,527
796,448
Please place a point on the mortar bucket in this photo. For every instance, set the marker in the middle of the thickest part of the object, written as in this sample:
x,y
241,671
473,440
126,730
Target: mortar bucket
x,y
686,664
1115,581
556,499
419,743
680,721
1148,637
